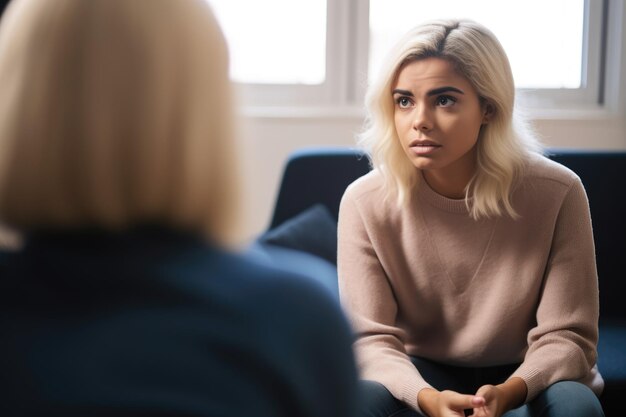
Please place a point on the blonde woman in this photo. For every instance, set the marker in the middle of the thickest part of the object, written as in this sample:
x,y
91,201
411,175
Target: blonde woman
x,y
466,258
116,166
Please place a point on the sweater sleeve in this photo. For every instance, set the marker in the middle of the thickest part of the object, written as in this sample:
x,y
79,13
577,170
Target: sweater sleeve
x,y
562,345
368,298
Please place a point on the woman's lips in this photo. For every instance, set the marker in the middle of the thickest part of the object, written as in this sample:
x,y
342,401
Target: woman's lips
x,y
424,147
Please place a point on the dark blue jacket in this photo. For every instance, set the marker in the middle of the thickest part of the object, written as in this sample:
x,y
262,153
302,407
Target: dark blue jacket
x,y
159,323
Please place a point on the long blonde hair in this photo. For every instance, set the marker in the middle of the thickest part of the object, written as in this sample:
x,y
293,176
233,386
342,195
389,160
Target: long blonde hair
x,y
503,144
114,113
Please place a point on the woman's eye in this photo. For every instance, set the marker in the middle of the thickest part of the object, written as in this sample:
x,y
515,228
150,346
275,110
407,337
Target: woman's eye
x,y
403,102
445,101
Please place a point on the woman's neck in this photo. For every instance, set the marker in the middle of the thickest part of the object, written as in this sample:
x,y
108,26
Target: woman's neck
x,y
450,185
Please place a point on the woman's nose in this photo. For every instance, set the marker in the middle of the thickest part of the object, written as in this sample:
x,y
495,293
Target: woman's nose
x,y
422,119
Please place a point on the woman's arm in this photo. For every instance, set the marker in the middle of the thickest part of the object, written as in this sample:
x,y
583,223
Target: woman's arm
x,y
367,296
562,345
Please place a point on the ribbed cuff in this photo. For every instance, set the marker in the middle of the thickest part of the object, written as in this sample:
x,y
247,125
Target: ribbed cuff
x,y
410,392
533,379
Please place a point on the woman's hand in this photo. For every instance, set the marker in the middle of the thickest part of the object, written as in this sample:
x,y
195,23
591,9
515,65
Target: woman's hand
x,y
494,402
500,398
447,403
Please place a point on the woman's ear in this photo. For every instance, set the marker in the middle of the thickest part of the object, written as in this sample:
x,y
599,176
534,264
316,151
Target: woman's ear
x,y
488,112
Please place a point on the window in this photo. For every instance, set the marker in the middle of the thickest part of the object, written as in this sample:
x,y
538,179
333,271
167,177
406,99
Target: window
x,y
321,53
275,41
282,50
542,54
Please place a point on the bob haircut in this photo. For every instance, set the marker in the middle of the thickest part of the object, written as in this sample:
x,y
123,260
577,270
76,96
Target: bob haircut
x,y
504,142
114,114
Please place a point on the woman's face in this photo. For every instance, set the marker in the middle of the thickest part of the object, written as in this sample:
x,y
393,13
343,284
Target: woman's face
x,y
438,116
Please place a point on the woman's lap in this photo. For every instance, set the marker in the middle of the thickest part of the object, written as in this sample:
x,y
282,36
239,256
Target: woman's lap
x,y
565,398
562,399
377,401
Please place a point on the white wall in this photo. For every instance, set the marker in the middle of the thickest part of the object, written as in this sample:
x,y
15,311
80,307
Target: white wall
x,y
267,142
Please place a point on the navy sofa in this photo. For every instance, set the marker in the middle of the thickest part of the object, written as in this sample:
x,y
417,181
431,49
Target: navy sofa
x,y
302,235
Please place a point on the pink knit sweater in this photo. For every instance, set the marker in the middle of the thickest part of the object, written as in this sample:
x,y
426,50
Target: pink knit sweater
x,y
426,280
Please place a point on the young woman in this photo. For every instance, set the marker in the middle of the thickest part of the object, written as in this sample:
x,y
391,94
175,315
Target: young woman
x,y
466,258
116,166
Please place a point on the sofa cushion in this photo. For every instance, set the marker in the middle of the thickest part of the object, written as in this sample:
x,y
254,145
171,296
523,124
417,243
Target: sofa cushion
x,y
313,230
612,365
297,262
612,351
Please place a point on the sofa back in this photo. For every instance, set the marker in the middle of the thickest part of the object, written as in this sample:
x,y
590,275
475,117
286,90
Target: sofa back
x,y
317,175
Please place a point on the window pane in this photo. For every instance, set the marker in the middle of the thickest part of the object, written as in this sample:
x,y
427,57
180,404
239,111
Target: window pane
x,y
275,41
543,39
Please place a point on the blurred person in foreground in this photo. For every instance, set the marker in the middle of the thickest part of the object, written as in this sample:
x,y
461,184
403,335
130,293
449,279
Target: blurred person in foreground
x,y
8,239
116,165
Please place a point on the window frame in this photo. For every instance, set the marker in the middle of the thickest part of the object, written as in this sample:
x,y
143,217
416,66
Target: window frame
x,y
347,51
588,96
324,94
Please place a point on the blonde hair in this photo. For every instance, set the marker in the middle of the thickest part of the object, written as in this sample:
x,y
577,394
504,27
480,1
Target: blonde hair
x,y
503,144
115,113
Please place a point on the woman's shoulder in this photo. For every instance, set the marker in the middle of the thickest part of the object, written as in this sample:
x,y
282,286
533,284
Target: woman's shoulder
x,y
283,306
263,287
251,278
540,168
370,185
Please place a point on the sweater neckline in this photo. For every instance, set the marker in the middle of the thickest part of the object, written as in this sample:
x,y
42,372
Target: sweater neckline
x,y
430,196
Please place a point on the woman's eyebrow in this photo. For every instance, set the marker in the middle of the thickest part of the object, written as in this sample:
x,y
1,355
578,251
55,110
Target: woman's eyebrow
x,y
446,89
402,92
433,92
